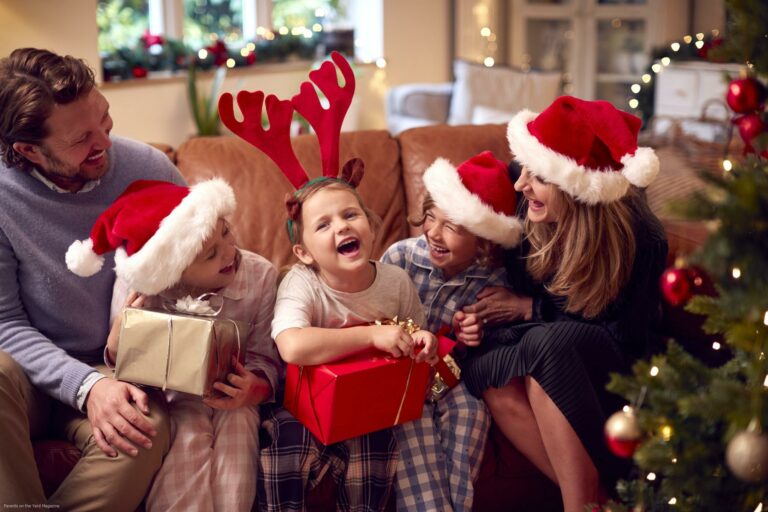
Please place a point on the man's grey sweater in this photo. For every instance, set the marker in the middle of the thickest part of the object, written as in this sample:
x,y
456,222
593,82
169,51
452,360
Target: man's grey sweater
x,y
52,322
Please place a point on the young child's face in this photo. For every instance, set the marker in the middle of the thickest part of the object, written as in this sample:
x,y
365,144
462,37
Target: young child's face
x,y
337,237
451,247
542,203
215,265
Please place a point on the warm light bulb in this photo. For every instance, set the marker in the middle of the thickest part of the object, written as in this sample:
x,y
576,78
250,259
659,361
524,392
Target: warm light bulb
x,y
251,47
672,500
715,345
656,67
727,165
489,62
687,39
666,432
666,61
485,31
202,54
635,88
283,31
699,44
715,32
736,272
654,371
759,507
675,46
651,476
230,63
244,52
765,382
317,27
381,63
765,318
646,78
700,36
633,103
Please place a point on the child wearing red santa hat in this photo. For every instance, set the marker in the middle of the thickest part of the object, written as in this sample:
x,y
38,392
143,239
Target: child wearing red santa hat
x,y
172,242
467,215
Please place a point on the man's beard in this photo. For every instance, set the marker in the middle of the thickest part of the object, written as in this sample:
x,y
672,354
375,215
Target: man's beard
x,y
62,173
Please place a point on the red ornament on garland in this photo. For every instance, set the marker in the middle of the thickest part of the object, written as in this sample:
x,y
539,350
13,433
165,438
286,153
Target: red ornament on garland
x,y
746,95
139,71
622,433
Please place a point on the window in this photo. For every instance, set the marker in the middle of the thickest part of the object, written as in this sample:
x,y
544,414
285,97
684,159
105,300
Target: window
x,y
140,36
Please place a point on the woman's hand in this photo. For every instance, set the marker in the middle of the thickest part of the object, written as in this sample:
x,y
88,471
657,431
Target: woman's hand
x,y
499,305
392,339
134,300
467,327
244,388
428,342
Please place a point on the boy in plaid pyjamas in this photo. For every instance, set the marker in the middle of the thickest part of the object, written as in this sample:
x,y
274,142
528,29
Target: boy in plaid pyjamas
x,y
467,211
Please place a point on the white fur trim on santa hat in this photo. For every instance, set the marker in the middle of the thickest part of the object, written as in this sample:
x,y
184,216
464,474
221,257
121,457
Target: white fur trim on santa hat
x,y
465,208
82,260
158,265
590,186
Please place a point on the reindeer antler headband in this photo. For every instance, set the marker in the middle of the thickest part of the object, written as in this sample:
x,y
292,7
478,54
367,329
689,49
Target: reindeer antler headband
x,y
275,142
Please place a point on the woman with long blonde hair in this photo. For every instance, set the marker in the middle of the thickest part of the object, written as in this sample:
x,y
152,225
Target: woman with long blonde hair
x,y
591,261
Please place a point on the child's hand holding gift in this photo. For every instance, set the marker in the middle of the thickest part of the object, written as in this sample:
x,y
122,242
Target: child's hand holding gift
x,y
428,343
392,339
244,388
134,300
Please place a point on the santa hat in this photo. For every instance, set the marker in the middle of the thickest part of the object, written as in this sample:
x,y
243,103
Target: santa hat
x,y
157,230
478,195
587,148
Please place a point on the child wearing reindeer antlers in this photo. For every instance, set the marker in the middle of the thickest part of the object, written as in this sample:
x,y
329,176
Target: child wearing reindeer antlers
x,y
467,213
173,242
326,303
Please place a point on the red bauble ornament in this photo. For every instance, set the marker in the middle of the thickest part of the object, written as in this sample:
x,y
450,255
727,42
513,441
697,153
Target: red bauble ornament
x,y
676,286
750,126
139,72
622,433
746,95
679,284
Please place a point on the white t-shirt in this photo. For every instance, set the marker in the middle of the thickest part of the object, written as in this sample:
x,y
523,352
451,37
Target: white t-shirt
x,y
304,300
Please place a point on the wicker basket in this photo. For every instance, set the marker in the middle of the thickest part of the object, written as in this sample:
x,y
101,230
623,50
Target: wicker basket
x,y
705,140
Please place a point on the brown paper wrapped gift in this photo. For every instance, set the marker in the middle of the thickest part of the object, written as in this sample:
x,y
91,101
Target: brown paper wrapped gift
x,y
177,351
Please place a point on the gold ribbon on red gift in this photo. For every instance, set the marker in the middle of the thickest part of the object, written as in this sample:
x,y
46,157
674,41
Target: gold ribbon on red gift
x,y
448,371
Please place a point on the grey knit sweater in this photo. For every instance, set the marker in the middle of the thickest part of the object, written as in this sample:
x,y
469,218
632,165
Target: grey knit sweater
x,y
52,322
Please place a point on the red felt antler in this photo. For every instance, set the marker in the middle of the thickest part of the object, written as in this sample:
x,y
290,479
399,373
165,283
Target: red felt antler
x,y
327,123
275,142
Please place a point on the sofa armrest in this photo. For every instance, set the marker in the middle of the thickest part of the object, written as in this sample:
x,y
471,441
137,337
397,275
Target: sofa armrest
x,y
428,102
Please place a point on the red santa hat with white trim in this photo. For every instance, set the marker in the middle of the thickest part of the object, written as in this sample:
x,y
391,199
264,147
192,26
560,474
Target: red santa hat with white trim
x,y
157,229
587,148
478,195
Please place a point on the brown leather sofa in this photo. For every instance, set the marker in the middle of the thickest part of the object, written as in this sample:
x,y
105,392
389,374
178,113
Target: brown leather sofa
x,y
392,188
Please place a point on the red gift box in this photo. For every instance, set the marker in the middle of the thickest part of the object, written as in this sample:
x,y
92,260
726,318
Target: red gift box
x,y
357,395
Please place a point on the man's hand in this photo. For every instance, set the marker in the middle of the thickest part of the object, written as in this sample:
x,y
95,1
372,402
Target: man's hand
x,y
498,305
116,423
134,300
246,388
467,327
428,342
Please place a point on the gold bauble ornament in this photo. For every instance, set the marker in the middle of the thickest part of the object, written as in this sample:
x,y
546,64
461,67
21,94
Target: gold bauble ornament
x,y
747,454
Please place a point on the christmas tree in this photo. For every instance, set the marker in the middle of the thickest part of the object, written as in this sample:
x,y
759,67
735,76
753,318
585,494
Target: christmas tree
x,y
697,430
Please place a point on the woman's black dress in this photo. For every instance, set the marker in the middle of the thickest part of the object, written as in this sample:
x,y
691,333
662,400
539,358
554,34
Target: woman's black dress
x,y
571,357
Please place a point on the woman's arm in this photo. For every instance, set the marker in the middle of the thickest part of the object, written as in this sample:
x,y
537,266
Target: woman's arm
x,y
499,305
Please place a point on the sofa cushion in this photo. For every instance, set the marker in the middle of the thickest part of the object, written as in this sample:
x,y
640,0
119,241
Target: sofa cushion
x,y
420,147
499,87
260,188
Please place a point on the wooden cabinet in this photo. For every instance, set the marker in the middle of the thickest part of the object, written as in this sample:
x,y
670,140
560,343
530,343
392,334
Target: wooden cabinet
x,y
601,46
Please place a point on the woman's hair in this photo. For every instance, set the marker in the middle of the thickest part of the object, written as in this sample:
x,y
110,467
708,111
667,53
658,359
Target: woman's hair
x,y
488,253
32,81
588,254
295,222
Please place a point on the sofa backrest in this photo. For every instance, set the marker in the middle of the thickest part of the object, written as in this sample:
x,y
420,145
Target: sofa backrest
x,y
419,147
260,188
